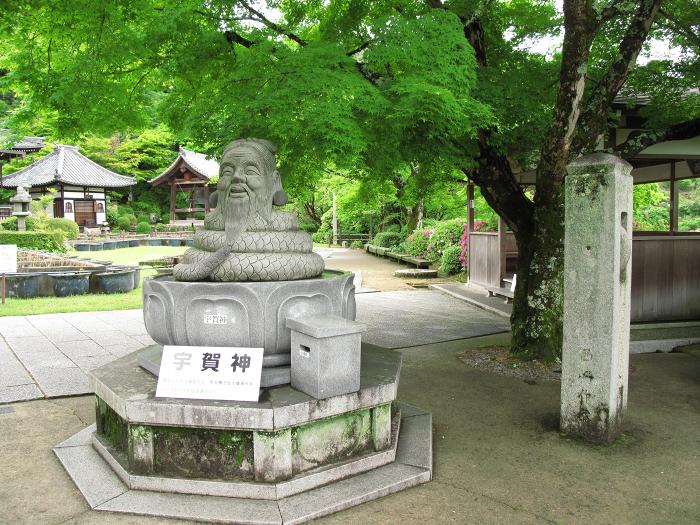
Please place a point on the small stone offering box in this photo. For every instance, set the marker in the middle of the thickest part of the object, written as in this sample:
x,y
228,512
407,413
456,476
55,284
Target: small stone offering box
x,y
325,355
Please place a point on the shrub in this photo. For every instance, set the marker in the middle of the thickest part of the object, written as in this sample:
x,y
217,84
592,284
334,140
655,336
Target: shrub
x,y
124,222
160,227
450,262
69,228
357,245
143,218
143,227
464,247
322,236
51,241
431,243
418,243
124,210
447,233
388,239
112,215
10,224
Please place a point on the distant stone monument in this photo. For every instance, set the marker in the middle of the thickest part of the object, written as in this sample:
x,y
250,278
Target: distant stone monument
x,y
324,433
597,266
20,203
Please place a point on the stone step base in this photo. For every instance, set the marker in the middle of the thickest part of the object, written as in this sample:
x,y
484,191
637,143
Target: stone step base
x,y
105,491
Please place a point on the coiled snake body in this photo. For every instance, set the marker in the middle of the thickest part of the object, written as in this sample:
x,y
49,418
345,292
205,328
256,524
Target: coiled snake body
x,y
274,250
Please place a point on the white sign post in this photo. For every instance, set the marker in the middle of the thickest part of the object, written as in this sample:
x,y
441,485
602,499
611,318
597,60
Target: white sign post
x,y
8,263
207,372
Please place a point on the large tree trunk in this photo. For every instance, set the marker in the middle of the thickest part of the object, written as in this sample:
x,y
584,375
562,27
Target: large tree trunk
x,y
536,321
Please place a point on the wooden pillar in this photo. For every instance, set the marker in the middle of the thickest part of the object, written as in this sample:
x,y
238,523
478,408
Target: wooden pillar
x,y
191,202
673,208
173,195
501,250
470,206
206,198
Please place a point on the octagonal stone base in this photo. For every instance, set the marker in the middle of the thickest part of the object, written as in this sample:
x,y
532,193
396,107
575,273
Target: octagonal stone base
x,y
105,490
285,459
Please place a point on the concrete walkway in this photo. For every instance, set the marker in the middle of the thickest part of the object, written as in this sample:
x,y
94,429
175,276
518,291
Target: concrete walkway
x,y
50,355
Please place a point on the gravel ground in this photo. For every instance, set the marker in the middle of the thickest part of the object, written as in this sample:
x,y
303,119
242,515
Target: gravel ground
x,y
499,360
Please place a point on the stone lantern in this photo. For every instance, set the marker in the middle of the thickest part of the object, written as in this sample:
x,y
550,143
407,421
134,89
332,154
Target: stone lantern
x,y
20,203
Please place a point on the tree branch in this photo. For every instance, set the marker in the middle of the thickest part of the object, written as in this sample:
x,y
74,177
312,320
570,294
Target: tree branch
x,y
579,30
640,140
687,31
594,119
614,9
358,49
272,25
233,37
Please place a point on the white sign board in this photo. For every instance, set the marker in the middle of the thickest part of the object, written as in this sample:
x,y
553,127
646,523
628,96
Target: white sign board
x,y
207,372
8,258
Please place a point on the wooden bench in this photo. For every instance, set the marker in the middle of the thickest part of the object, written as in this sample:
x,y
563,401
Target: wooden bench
x,y
501,292
417,262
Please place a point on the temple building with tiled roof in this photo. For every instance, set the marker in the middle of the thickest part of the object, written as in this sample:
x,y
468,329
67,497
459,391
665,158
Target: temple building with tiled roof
x,y
81,184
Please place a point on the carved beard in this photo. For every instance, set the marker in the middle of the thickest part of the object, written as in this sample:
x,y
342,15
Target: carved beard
x,y
236,216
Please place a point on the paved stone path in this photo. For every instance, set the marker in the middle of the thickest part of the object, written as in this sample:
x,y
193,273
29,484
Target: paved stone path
x,y
49,355
404,319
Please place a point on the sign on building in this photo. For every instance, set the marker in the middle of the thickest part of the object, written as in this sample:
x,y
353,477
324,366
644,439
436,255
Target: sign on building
x,y
203,372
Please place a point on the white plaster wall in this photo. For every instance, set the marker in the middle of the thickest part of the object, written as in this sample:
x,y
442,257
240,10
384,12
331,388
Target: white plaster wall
x,y
73,194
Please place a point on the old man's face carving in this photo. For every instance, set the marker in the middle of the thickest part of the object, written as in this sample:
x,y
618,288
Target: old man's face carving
x,y
246,174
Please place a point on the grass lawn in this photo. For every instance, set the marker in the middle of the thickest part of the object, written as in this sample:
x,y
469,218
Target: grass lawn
x,y
94,302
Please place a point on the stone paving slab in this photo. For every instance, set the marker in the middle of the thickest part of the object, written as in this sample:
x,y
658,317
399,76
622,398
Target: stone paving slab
x,y
413,318
10,394
49,355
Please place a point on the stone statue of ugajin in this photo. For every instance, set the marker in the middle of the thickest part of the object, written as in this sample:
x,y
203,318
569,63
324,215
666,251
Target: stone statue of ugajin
x,y
243,238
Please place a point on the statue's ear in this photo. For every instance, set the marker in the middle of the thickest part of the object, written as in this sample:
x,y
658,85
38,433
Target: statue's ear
x,y
279,196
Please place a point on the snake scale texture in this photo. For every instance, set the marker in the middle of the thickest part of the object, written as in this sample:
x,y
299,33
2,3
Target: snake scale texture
x,y
274,250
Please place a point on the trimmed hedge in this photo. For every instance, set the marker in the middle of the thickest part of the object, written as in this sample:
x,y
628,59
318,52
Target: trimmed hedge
x,y
69,228
50,241
10,224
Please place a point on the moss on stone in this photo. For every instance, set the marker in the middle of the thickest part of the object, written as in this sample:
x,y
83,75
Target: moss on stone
x,y
331,439
111,426
203,453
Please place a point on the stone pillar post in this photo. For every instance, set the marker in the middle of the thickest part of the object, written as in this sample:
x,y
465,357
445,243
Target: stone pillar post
x,y
597,264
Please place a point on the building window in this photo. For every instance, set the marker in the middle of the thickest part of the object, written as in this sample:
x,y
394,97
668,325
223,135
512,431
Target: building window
x,y
69,207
